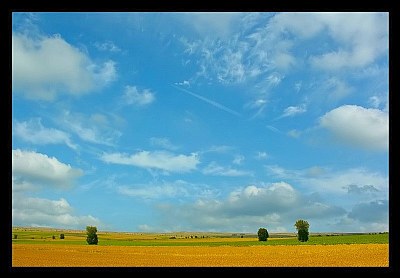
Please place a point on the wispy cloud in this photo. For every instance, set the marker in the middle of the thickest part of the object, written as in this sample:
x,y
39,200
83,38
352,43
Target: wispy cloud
x,y
96,128
261,155
161,160
216,170
211,102
163,143
294,133
274,129
107,46
132,95
34,132
292,111
238,159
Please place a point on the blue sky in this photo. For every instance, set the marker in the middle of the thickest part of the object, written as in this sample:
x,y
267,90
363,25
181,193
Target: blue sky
x,y
200,121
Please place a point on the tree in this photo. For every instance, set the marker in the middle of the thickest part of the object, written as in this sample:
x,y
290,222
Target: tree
x,y
62,236
91,235
263,234
302,227
303,235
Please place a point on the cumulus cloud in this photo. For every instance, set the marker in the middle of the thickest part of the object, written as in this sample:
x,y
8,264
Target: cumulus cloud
x,y
250,207
34,132
357,189
217,170
161,160
375,211
357,126
29,211
324,179
361,37
37,168
132,95
45,67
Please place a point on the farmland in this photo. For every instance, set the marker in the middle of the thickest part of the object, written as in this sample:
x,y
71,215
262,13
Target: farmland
x,y
36,247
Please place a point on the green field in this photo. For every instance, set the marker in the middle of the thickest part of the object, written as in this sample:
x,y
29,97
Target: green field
x,y
42,235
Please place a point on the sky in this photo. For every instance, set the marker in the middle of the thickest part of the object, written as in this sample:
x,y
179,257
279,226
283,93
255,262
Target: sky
x,y
225,122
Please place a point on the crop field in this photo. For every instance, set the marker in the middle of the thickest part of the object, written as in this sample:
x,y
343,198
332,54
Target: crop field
x,y
38,248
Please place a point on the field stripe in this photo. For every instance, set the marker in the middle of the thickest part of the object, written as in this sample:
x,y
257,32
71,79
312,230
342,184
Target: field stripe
x,y
375,255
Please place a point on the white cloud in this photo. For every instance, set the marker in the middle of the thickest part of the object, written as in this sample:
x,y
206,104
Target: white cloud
x,y
274,79
379,101
238,159
248,208
107,46
336,89
293,110
211,24
34,132
322,179
161,160
163,142
37,168
216,170
294,133
183,83
136,97
262,155
96,128
45,67
363,38
154,191
375,211
28,211
358,126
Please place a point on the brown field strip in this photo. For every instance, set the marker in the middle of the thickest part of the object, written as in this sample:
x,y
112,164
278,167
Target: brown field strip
x,y
143,256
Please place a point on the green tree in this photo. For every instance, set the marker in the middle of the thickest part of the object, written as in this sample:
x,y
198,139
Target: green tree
x,y
302,235
302,227
62,236
91,235
263,234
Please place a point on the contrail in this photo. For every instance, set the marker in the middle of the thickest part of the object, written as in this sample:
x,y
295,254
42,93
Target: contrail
x,y
213,103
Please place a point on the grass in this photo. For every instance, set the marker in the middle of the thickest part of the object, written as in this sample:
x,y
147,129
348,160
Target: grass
x,y
41,236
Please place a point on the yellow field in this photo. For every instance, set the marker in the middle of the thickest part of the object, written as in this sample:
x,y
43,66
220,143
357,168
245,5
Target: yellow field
x,y
260,256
